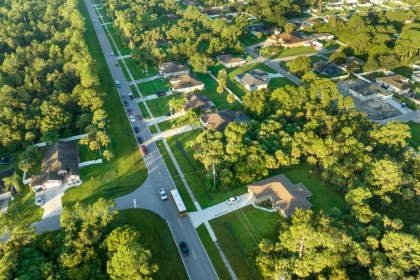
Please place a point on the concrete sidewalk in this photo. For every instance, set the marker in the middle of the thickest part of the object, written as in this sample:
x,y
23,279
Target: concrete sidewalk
x,y
148,79
151,97
163,118
123,56
173,132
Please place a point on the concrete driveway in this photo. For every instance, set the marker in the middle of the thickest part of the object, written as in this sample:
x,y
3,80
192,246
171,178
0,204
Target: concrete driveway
x,y
52,200
3,206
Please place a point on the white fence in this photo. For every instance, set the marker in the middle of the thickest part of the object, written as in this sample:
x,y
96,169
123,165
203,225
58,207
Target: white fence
x,y
43,144
228,90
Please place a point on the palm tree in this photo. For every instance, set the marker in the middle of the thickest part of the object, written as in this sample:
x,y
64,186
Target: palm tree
x,y
191,118
175,105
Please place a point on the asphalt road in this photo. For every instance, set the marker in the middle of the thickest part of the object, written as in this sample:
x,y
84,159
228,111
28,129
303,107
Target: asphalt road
x,y
197,264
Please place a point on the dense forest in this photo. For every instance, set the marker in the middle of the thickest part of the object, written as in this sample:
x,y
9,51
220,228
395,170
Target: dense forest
x,y
48,80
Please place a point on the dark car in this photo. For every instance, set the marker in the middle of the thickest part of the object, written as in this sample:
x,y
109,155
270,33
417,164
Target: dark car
x,y
123,96
131,96
144,150
257,48
139,140
184,248
140,117
129,112
126,103
116,64
168,114
160,93
136,129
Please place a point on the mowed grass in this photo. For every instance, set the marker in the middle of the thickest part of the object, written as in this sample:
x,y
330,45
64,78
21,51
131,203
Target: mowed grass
x,y
175,177
23,207
330,44
143,110
134,91
151,87
237,242
159,106
153,129
155,236
126,171
213,253
170,124
138,71
292,52
117,40
415,134
250,39
404,71
196,175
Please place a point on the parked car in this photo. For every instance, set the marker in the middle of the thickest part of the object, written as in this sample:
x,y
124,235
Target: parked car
x,y
132,119
131,96
136,129
140,117
123,96
160,93
126,103
39,200
163,194
129,111
93,21
118,84
112,54
168,114
117,64
144,150
184,248
139,140
233,200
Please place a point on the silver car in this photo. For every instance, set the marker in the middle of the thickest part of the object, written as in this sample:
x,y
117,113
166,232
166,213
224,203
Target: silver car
x,y
39,200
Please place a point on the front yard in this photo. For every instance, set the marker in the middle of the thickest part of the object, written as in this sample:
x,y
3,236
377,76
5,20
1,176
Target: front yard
x,y
330,44
159,106
273,53
151,87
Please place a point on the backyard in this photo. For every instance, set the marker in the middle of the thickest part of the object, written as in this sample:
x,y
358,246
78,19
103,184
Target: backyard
x,y
137,71
403,71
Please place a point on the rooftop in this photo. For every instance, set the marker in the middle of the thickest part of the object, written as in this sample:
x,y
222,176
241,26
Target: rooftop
x,y
371,89
172,67
218,120
186,81
228,58
61,155
198,101
255,77
396,81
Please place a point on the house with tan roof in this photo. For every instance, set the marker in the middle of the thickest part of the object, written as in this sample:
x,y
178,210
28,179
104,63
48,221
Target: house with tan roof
x,y
283,194
288,40
323,36
60,164
253,80
198,101
218,120
173,69
415,76
369,91
229,61
186,83
395,83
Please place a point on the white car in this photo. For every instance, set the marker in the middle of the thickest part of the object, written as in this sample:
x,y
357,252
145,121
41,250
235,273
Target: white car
x,y
233,200
112,54
163,194
132,119
38,200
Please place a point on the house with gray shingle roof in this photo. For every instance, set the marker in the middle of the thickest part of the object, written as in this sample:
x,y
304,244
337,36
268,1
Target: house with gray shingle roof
x,y
218,120
283,194
253,80
186,83
173,69
198,101
229,61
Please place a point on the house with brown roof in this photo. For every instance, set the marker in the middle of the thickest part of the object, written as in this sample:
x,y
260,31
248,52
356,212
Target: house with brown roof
x,y
283,194
186,83
370,91
229,61
323,36
253,80
395,83
5,173
218,120
288,40
173,69
60,164
198,101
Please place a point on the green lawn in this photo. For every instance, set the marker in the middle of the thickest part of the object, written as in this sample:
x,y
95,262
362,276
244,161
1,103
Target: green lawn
x,y
153,129
138,71
251,39
127,170
86,154
279,82
213,253
159,106
324,197
115,36
23,207
219,99
193,175
333,12
143,110
236,241
404,71
156,237
124,70
169,124
151,87
175,177
330,44
289,52
415,134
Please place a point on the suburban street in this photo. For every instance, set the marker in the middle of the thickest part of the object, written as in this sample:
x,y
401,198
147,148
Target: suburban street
x,y
197,264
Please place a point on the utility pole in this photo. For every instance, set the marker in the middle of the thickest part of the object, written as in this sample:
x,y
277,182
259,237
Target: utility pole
x,y
214,177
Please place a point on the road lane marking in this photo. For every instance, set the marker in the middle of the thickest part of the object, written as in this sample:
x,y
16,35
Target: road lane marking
x,y
193,254
134,200
159,174
179,222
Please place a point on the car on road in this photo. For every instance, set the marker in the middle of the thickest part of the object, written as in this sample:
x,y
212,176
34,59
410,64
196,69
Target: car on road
x,y
93,21
118,84
144,150
140,117
136,129
116,64
129,111
139,140
132,119
112,54
257,48
160,93
123,96
39,200
184,248
126,103
163,194
233,200
131,96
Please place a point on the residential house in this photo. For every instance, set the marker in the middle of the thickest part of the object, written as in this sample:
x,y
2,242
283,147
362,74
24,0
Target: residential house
x,y
190,2
218,120
173,69
415,76
283,194
60,164
198,101
313,21
186,83
288,40
370,91
253,80
259,28
323,36
324,67
395,83
229,61
351,59
5,173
